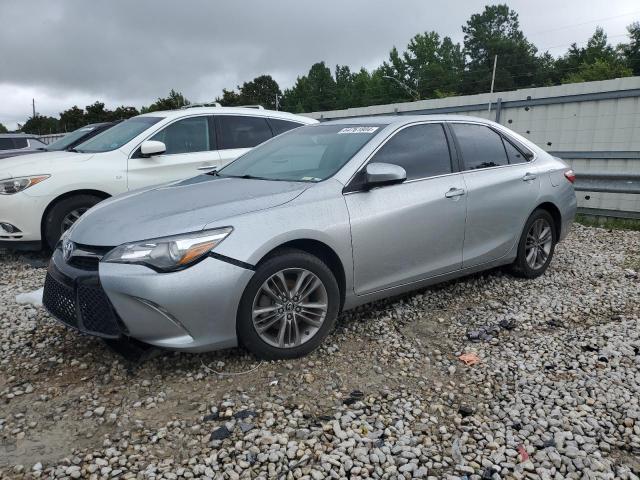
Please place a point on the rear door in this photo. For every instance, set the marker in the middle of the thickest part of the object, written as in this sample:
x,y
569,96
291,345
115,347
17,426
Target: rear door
x,y
503,189
191,149
410,231
237,134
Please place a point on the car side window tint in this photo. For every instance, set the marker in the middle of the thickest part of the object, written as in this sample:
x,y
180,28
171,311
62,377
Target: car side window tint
x,y
238,131
6,144
481,147
20,143
280,126
422,150
185,136
515,156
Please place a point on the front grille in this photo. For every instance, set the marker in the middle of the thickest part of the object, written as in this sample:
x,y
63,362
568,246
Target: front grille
x,y
60,301
87,257
96,315
85,263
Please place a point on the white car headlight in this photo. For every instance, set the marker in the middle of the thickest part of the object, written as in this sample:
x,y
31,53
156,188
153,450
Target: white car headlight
x,y
169,254
9,186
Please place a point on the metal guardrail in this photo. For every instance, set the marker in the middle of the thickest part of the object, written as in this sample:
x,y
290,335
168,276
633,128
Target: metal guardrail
x,y
608,182
47,139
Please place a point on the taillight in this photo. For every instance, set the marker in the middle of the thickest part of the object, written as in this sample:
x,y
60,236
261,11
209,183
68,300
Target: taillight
x,y
570,175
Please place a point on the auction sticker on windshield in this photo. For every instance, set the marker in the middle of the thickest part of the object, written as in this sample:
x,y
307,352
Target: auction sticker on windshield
x,y
358,130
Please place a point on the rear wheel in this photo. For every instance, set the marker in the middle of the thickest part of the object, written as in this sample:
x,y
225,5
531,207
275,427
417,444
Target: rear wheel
x,y
536,246
289,306
64,214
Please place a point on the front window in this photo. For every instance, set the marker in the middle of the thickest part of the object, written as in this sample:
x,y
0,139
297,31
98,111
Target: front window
x,y
185,136
117,136
306,154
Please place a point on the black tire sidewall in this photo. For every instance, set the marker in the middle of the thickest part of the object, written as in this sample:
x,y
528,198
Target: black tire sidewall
x,y
52,228
248,336
522,267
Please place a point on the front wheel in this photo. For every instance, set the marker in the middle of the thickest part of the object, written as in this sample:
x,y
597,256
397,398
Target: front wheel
x,y
536,246
64,214
288,307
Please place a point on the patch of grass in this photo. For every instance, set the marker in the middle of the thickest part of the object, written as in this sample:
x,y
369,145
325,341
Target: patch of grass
x,y
608,222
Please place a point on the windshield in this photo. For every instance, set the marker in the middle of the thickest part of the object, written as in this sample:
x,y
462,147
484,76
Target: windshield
x,y
69,138
306,154
118,135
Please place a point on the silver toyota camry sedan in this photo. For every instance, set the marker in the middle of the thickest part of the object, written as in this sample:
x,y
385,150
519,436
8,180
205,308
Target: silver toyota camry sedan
x,y
270,249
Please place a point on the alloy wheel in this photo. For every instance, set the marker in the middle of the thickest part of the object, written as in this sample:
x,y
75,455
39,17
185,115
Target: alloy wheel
x,y
290,307
538,243
72,217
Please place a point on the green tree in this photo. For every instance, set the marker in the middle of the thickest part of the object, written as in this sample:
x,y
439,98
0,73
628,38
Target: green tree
x,y
229,98
72,119
41,125
174,101
631,50
123,112
598,60
3,129
96,113
314,92
496,31
261,90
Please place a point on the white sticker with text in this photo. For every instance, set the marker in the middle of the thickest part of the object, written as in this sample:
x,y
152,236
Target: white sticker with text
x,y
358,130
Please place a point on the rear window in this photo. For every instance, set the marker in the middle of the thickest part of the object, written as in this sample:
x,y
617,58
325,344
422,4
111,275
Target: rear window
x,y
237,131
481,147
6,144
280,126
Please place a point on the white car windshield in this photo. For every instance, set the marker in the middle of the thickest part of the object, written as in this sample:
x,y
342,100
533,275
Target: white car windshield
x,y
117,136
306,154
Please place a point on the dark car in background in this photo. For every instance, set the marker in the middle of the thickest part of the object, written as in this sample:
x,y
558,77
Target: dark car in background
x,y
75,138
13,144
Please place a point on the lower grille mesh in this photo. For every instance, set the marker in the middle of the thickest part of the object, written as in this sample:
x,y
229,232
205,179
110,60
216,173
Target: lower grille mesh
x,y
60,301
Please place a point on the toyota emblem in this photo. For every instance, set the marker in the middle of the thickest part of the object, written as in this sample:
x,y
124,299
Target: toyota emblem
x,y
67,249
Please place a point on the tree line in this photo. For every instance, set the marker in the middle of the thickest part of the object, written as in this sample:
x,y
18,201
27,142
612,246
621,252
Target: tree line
x,y
430,66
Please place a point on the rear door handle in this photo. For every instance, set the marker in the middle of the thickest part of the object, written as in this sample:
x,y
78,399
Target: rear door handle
x,y
529,176
454,192
207,167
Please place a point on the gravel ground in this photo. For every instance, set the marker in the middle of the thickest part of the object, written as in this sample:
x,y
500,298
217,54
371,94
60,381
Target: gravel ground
x,y
555,393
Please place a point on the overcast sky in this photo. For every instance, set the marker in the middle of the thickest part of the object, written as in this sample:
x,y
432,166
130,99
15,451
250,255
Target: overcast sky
x,y
122,52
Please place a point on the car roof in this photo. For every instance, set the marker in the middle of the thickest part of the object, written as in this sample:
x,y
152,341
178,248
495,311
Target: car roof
x,y
398,120
255,112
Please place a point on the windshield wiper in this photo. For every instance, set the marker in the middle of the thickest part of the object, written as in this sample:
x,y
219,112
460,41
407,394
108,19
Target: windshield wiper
x,y
246,176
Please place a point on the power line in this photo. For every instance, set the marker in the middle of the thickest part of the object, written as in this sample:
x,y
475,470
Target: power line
x,y
596,20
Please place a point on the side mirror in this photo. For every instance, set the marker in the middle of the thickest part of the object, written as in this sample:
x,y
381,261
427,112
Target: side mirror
x,y
152,147
378,174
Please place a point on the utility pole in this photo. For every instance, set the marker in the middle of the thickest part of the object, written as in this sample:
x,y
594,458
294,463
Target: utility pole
x,y
33,107
493,78
277,102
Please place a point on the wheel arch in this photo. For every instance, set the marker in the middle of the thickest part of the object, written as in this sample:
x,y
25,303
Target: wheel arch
x,y
321,250
554,211
59,198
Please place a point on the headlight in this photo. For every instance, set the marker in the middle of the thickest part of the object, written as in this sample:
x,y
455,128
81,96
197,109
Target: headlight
x,y
169,253
10,186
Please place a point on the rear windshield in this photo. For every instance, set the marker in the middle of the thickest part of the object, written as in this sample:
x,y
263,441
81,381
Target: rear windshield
x,y
308,154
118,135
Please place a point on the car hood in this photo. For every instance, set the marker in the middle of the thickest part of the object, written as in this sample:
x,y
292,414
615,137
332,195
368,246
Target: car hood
x,y
179,207
40,163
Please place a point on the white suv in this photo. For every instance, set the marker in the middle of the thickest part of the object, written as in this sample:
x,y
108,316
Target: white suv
x,y
42,195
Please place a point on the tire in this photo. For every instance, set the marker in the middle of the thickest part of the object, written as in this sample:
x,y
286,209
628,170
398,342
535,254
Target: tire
x,y
523,265
56,221
291,264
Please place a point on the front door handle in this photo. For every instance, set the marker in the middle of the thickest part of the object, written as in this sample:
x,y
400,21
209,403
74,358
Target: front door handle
x,y
529,176
454,192
207,167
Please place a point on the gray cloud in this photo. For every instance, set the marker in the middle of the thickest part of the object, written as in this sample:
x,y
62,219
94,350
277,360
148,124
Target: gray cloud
x,y
130,52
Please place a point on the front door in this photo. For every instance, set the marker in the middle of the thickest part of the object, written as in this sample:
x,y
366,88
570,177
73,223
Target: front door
x,y
414,230
190,151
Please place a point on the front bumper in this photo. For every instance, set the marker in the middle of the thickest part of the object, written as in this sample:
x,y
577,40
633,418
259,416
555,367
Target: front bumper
x,y
25,213
193,309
